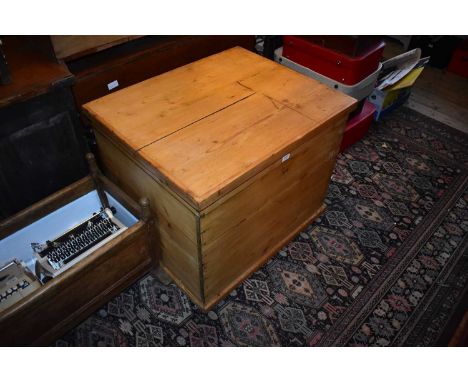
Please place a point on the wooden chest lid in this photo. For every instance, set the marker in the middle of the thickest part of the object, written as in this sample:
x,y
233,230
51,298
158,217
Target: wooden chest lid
x,y
206,127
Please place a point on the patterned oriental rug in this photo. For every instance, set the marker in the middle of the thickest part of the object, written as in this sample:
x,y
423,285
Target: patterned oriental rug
x,y
385,265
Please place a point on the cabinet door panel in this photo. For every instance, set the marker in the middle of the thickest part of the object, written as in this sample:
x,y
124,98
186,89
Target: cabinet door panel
x,y
38,160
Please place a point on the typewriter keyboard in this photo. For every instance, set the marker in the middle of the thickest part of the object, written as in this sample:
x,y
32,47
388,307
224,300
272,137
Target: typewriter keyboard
x,y
75,242
13,290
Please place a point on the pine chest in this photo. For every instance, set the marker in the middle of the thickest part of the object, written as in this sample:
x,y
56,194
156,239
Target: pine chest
x,y
235,153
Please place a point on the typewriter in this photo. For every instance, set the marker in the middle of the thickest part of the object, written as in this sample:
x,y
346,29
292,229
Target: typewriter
x,y
57,255
16,282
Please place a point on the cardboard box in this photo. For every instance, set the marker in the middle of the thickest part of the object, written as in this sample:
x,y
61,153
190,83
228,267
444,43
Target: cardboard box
x,y
400,74
385,101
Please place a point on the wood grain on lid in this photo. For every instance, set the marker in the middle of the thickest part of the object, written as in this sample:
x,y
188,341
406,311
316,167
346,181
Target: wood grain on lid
x,y
208,126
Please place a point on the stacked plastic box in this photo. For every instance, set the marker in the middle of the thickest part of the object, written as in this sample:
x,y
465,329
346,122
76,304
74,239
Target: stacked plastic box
x,y
344,63
459,62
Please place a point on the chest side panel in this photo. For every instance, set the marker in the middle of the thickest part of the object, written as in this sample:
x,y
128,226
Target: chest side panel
x,y
175,223
239,233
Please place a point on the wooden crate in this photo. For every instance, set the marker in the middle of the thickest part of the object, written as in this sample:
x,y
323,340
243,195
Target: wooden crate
x,y
69,298
235,153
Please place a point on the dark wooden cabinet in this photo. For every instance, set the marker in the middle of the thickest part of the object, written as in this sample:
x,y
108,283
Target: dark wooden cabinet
x,y
42,140
40,150
41,145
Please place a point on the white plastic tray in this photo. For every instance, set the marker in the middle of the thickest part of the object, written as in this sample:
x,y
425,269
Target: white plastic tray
x,y
359,91
18,245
